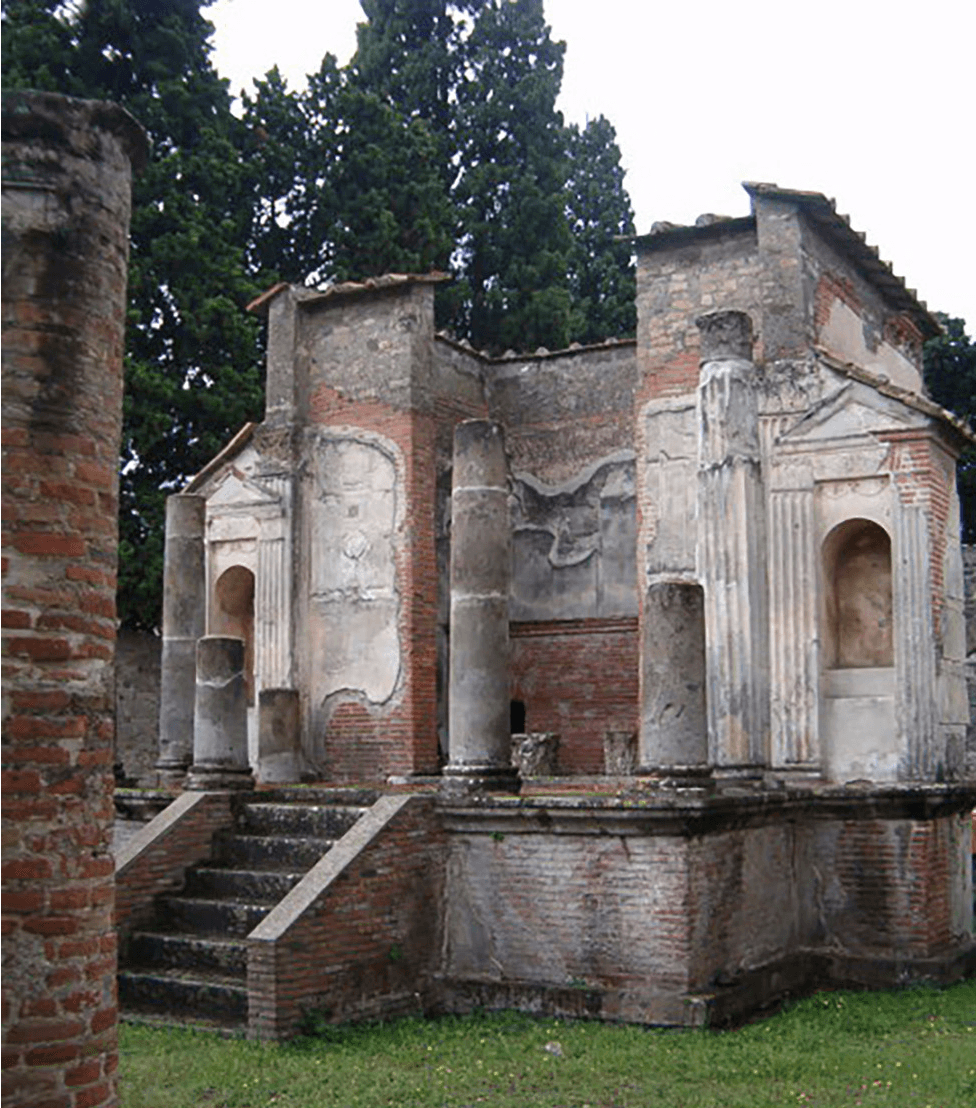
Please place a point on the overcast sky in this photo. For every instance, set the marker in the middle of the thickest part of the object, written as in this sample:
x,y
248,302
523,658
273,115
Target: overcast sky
x,y
871,102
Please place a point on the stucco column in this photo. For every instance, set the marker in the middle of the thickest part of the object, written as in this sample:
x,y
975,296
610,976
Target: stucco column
x,y
220,717
731,552
481,556
184,619
673,733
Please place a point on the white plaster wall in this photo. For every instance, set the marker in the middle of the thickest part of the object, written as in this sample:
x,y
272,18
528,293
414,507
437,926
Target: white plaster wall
x,y
858,715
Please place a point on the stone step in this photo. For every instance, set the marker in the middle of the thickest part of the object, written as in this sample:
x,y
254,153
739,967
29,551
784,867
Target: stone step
x,y
231,883
322,821
268,852
210,953
205,916
190,966
183,994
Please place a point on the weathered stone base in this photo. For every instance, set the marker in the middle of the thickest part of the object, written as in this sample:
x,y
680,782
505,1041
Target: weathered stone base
x,y
216,779
752,994
170,775
458,782
702,907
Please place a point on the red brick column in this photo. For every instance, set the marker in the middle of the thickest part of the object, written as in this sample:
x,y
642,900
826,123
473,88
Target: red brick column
x,y
66,189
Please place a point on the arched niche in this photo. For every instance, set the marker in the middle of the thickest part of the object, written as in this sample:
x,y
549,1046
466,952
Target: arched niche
x,y
232,613
857,635
858,599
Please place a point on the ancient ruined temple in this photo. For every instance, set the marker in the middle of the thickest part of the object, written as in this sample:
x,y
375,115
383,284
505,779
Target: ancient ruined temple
x,y
735,537
714,572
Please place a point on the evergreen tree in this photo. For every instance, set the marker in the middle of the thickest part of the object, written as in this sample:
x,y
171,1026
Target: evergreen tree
x,y
950,377
602,274
192,359
348,188
410,53
515,241
485,75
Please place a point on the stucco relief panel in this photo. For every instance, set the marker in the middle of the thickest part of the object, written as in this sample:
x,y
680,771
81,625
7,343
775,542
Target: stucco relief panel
x,y
354,604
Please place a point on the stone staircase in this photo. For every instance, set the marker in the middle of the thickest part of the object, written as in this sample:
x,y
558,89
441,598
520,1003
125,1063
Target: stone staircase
x,y
189,965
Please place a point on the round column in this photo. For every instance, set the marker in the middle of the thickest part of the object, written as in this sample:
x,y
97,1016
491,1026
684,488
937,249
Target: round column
x,y
67,168
184,617
220,717
673,731
481,555
732,547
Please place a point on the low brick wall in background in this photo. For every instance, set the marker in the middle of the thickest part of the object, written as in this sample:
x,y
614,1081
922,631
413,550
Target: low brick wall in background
x,y
359,937
578,679
156,858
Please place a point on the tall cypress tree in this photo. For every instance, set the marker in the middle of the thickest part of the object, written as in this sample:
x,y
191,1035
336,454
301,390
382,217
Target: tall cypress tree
x,y
602,274
192,359
348,188
485,74
515,240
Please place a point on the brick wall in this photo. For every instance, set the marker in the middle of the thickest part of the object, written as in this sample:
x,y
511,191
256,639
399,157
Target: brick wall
x,y
579,679
680,276
370,911
155,859
701,911
574,909
924,476
373,366
66,198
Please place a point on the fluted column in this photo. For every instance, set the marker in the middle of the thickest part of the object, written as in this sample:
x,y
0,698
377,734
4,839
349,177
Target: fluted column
x,y
732,547
915,677
481,554
273,601
184,620
794,660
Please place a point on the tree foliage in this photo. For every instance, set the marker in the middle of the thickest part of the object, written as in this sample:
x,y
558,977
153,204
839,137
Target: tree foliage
x,y
602,277
192,358
344,186
950,377
485,75
440,146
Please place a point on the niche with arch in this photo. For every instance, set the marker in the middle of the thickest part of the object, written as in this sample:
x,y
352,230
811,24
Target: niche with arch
x,y
857,574
232,613
857,634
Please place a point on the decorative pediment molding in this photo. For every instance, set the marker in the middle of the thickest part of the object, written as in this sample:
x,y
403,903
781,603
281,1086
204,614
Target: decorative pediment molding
x,y
234,490
853,412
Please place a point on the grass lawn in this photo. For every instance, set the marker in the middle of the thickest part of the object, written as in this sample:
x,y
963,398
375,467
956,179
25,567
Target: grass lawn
x,y
913,1048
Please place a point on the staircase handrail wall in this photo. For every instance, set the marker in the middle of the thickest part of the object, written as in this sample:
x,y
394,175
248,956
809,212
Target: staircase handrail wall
x,y
359,935
156,858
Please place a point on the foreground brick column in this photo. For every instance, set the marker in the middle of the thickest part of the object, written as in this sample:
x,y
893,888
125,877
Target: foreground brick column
x,y
66,202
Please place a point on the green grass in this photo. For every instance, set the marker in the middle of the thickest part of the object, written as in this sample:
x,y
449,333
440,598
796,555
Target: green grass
x,y
914,1048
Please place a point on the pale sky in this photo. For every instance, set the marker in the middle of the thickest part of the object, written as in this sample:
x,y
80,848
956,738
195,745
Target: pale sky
x,y
871,102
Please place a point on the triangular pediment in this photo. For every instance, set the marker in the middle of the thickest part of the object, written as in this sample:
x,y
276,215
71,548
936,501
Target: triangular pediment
x,y
854,411
234,489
